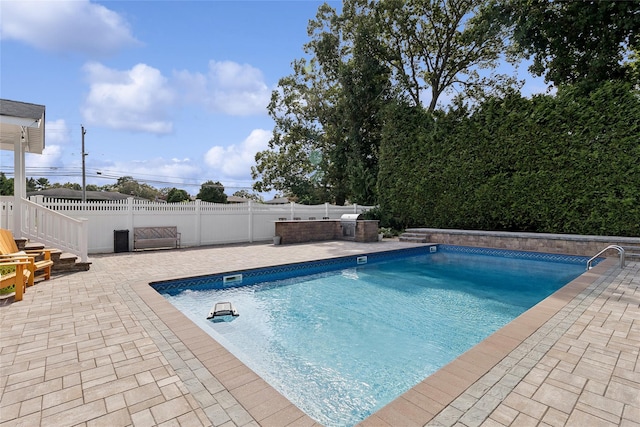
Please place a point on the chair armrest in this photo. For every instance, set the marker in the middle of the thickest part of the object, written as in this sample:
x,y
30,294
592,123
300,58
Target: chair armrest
x,y
9,257
26,259
15,256
14,262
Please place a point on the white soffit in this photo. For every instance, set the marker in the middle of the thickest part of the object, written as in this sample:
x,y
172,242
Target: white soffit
x,y
21,119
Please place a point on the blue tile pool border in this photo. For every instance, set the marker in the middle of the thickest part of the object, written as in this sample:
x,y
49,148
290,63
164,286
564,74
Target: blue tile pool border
x,y
287,271
508,253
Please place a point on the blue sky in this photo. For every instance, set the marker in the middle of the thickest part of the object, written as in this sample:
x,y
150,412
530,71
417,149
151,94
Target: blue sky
x,y
170,92
173,93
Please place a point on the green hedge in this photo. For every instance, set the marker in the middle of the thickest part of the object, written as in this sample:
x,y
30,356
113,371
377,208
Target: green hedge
x,y
558,164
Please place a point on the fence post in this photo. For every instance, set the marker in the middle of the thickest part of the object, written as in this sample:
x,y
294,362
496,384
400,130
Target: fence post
x,y
198,222
250,222
293,211
130,220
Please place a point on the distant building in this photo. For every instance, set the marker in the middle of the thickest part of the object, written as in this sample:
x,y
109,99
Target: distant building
x,y
237,199
278,201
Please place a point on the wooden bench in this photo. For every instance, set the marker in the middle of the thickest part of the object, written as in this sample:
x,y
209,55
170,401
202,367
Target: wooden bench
x,y
155,237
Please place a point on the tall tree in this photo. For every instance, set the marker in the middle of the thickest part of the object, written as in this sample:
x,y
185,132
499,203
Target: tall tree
x,y
324,146
296,163
70,185
328,113
128,185
6,185
175,195
42,184
31,185
212,192
288,165
634,67
365,80
571,42
247,195
441,45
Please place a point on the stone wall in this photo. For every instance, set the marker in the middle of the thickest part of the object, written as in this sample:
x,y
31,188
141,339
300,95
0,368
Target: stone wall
x,y
367,231
301,231
569,244
307,231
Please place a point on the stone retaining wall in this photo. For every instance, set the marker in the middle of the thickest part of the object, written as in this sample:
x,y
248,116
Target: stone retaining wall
x,y
301,231
569,244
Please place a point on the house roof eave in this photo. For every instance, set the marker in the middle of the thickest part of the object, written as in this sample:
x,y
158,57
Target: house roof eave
x,y
22,120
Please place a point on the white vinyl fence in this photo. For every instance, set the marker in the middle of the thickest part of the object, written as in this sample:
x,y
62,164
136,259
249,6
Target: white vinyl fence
x,y
199,223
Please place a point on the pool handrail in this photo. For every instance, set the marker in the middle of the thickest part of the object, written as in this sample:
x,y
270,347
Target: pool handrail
x,y
620,249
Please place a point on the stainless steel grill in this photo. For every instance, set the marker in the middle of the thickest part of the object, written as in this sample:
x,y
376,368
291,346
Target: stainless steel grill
x,y
348,224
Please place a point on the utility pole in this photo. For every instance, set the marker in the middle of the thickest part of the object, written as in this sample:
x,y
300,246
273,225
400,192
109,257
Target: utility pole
x,y
84,175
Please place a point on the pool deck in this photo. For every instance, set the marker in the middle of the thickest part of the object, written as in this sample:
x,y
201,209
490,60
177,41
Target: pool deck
x,y
101,348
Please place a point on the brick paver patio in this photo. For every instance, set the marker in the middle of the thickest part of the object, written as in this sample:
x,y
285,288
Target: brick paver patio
x,y
101,348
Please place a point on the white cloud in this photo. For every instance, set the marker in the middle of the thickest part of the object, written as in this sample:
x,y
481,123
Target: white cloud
x,y
172,170
50,158
57,132
158,172
56,136
66,26
138,99
235,161
228,87
142,99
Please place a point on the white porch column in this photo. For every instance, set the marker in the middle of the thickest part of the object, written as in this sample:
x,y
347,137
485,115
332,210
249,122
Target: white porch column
x,y
19,185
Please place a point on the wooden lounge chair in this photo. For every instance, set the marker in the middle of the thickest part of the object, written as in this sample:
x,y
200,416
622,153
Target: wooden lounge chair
x,y
15,273
40,259
28,260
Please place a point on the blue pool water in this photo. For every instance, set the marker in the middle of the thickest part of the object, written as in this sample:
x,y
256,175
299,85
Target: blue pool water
x,y
341,344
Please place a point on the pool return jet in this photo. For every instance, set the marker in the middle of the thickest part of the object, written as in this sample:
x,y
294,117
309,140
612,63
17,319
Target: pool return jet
x,y
220,309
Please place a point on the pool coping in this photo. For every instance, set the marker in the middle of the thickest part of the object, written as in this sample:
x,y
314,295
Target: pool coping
x,y
426,402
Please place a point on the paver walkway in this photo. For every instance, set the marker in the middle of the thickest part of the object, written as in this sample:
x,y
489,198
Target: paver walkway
x,y
100,348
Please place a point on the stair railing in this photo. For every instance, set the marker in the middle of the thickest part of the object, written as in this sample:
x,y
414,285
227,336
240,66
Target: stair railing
x,y
620,249
53,229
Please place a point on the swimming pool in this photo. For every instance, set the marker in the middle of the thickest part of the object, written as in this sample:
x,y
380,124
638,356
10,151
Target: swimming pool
x,y
349,339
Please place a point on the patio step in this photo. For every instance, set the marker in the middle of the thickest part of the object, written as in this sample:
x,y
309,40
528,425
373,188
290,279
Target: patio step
x,y
414,237
68,263
632,253
62,262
